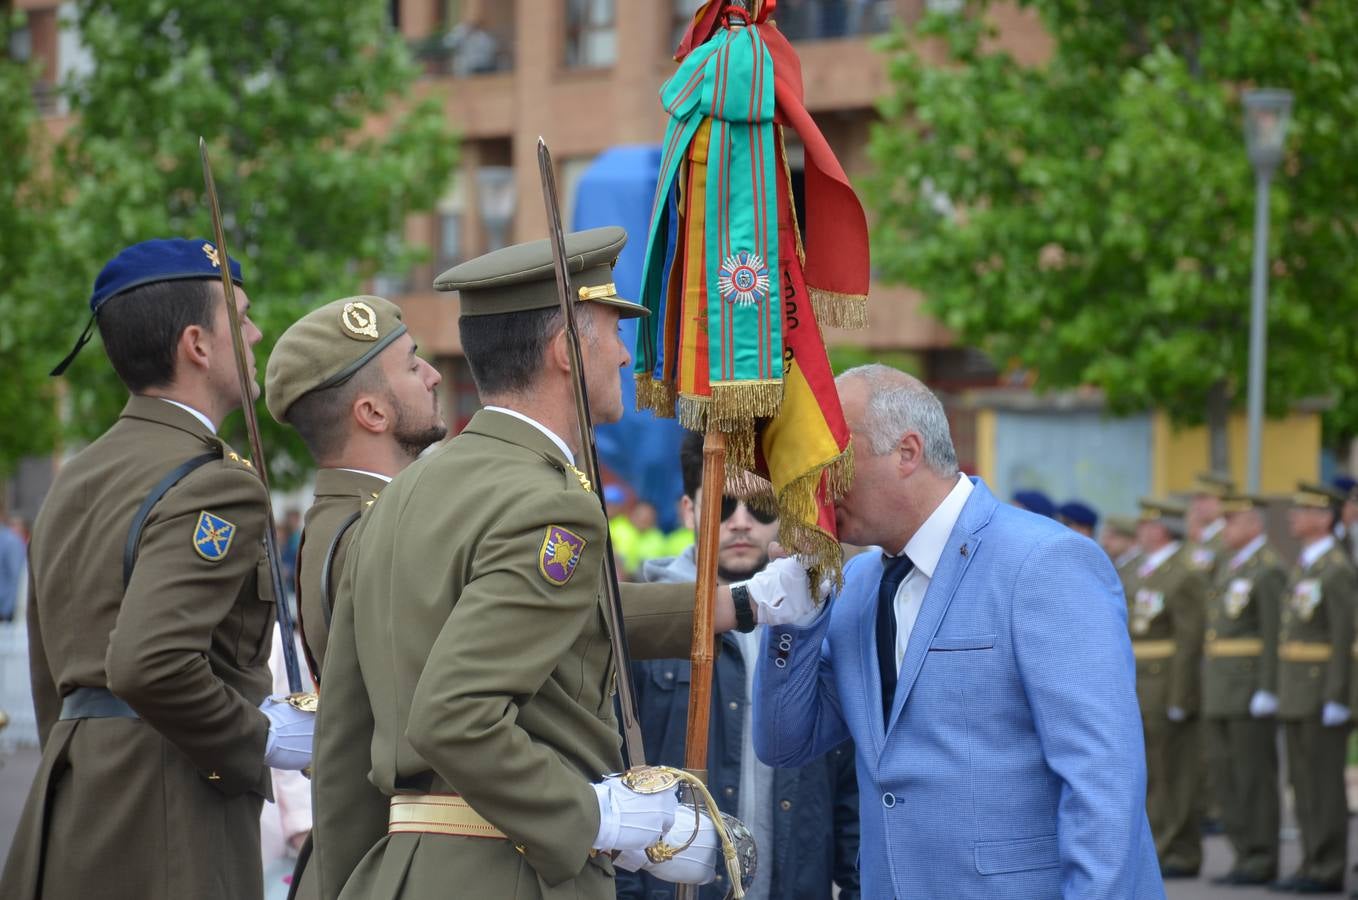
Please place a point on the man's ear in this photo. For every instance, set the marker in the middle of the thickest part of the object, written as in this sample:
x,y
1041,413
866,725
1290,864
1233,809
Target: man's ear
x,y
688,513
910,450
371,413
192,348
559,352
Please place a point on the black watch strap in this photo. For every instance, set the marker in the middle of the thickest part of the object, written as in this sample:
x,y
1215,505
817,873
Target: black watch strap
x,y
740,599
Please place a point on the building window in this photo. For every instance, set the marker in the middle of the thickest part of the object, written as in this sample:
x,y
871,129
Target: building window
x,y
591,34
451,241
684,11
815,20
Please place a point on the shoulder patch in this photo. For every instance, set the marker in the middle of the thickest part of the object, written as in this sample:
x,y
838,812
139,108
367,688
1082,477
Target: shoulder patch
x,y
212,536
560,554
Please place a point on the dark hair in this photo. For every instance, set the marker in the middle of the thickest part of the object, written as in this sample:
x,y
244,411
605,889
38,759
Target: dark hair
x,y
504,351
321,417
691,463
142,327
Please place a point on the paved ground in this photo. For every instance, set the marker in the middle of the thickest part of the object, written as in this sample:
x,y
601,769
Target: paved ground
x,y
16,771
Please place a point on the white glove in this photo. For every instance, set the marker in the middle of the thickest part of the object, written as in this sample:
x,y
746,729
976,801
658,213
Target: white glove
x,y
1263,704
1176,714
781,594
695,864
290,733
629,820
1333,714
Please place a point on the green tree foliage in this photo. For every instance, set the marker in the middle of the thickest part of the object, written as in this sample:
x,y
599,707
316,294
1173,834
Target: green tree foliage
x,y
1091,217
286,93
27,397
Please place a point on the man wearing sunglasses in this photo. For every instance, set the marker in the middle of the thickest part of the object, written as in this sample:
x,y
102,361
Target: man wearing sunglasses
x,y
805,820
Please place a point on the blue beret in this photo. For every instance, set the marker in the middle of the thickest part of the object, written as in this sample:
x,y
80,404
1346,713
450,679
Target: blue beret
x,y
1345,483
1078,513
1035,501
163,259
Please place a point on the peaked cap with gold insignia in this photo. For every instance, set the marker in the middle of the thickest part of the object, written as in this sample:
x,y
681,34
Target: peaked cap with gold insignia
x,y
522,277
326,347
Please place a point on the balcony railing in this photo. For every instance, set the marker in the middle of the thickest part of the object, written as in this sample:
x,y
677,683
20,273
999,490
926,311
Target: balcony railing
x,y
463,51
817,20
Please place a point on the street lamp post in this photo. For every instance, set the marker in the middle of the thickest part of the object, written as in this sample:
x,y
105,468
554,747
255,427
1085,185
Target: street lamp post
x,y
1267,112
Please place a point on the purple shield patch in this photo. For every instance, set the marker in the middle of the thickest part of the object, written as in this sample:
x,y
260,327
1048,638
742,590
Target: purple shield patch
x,y
560,554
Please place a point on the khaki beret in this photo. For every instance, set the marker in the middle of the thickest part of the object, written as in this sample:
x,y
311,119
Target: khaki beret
x,y
1317,496
326,347
523,277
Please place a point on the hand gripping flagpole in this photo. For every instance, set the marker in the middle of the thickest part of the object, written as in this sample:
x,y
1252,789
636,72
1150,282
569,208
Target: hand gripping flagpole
x,y
622,659
247,402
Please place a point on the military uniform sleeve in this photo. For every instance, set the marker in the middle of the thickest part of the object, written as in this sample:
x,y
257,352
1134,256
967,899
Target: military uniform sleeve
x,y
659,619
1269,588
1339,592
1190,619
350,815
46,699
178,598
509,630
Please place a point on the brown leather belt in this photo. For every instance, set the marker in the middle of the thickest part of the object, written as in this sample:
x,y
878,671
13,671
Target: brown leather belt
x,y
1153,649
1233,647
437,814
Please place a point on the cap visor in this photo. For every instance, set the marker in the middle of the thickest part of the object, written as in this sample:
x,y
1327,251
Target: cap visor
x,y
626,308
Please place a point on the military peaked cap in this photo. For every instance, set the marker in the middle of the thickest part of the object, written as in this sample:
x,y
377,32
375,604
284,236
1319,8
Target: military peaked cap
x,y
522,277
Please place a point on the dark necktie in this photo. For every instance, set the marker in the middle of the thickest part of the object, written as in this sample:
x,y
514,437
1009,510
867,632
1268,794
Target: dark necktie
x,y
894,571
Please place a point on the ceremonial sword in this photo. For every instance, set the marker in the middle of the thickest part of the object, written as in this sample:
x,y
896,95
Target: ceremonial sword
x,y
622,659
247,404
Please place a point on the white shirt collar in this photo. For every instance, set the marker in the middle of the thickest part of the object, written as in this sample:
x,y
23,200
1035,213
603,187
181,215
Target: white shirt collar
x,y
1127,557
1211,530
556,439
926,547
1247,551
386,478
1315,550
1159,556
193,412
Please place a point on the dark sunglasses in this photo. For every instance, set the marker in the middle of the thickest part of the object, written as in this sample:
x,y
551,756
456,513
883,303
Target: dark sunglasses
x,y
728,509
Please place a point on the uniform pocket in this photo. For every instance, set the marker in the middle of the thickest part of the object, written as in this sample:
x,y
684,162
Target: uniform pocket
x,y
257,617
1025,854
670,674
965,642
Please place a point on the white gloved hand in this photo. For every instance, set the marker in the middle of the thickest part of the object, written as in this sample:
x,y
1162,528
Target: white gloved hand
x,y
629,820
1263,704
781,594
1333,714
696,863
1176,714
290,734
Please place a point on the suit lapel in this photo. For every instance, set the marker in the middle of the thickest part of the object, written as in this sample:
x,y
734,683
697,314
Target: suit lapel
x,y
952,565
867,657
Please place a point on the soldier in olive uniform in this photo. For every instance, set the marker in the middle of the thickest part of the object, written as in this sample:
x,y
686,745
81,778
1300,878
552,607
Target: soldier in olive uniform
x,y
1205,520
469,675
1118,540
1240,689
1314,662
346,376
150,616
1167,598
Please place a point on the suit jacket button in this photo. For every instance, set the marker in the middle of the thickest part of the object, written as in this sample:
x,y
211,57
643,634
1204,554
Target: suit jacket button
x,y
785,805
888,800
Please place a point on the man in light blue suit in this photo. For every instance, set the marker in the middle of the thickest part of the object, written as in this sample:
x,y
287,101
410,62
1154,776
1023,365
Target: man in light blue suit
x,y
1004,756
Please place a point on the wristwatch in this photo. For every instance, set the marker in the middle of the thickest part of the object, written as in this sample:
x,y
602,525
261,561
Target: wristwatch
x,y
740,599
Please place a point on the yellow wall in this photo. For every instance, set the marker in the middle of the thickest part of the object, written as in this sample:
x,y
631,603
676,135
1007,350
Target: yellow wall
x,y
1291,453
985,445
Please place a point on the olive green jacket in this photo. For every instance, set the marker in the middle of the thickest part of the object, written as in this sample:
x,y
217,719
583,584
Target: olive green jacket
x,y
1242,633
1167,608
339,494
469,652
166,805
1209,556
1315,643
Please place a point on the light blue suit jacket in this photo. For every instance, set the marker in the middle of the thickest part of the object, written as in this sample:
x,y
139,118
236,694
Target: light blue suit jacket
x,y
1013,764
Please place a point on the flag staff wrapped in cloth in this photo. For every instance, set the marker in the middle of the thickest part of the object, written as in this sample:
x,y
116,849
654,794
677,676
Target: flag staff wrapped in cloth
x,y
733,345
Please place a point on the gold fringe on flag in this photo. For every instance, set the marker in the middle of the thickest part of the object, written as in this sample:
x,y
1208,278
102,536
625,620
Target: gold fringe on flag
x,y
655,395
839,310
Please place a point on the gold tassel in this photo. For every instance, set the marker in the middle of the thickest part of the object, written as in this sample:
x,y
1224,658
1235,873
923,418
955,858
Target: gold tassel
x,y
736,403
655,395
692,411
839,310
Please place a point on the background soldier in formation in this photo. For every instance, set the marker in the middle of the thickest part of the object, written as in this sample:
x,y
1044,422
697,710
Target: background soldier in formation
x,y
1240,689
150,615
347,378
1205,520
1167,597
1315,658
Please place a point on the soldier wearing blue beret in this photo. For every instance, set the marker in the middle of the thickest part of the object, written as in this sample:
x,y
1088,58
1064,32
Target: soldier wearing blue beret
x,y
150,614
1035,502
1078,516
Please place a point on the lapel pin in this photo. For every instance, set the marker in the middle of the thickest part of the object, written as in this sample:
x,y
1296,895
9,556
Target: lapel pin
x,y
963,550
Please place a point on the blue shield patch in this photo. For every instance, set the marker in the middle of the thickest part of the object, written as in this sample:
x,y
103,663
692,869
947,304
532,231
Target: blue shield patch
x,y
212,537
